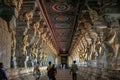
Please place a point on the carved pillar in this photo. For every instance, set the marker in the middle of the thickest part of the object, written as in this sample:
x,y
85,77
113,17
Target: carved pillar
x,y
36,32
23,40
5,44
9,12
105,58
13,50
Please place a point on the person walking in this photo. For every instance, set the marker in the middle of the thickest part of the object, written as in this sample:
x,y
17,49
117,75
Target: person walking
x,y
53,72
36,72
74,70
3,75
48,70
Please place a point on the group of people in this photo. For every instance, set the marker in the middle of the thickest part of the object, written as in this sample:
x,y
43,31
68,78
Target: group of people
x,y
51,71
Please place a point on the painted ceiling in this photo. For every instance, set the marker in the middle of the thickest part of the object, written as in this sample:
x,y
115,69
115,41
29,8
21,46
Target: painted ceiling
x,y
61,16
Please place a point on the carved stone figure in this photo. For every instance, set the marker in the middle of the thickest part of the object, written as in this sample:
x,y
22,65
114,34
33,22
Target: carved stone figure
x,y
13,47
116,49
109,37
34,51
111,45
36,25
28,15
99,46
87,26
81,55
36,34
42,56
15,3
93,15
25,44
19,3
45,57
91,52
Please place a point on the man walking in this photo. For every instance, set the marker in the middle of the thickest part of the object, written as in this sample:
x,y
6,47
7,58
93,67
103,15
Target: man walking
x,y
74,70
48,70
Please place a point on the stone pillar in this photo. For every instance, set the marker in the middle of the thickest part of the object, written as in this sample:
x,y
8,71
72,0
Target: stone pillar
x,y
23,40
105,60
96,59
26,60
9,13
14,62
5,44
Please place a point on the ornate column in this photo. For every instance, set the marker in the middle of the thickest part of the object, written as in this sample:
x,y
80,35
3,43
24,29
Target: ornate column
x,y
23,39
36,43
13,48
9,12
28,16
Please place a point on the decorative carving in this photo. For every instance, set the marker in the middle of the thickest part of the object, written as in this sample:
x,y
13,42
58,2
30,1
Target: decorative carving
x,y
36,25
93,15
36,32
110,35
28,15
87,26
45,57
41,55
91,52
19,3
25,44
13,47
34,51
62,18
98,47
116,49
111,45
62,25
14,3
61,7
112,21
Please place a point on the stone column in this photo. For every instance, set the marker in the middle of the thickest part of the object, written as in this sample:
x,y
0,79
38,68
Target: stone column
x,y
23,39
5,44
105,60
96,59
9,13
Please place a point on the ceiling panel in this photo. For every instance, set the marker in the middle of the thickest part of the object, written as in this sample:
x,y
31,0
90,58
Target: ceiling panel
x,y
61,16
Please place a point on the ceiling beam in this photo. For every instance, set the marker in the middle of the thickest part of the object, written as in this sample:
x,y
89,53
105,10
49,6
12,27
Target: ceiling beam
x,y
41,6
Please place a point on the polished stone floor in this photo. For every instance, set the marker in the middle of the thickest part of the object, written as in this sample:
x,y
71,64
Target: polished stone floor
x,y
62,74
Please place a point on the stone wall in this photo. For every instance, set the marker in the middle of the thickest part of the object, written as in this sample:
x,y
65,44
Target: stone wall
x,y
5,44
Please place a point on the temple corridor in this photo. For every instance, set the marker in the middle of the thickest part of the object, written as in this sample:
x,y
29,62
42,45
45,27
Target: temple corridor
x,y
60,31
62,74
84,73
